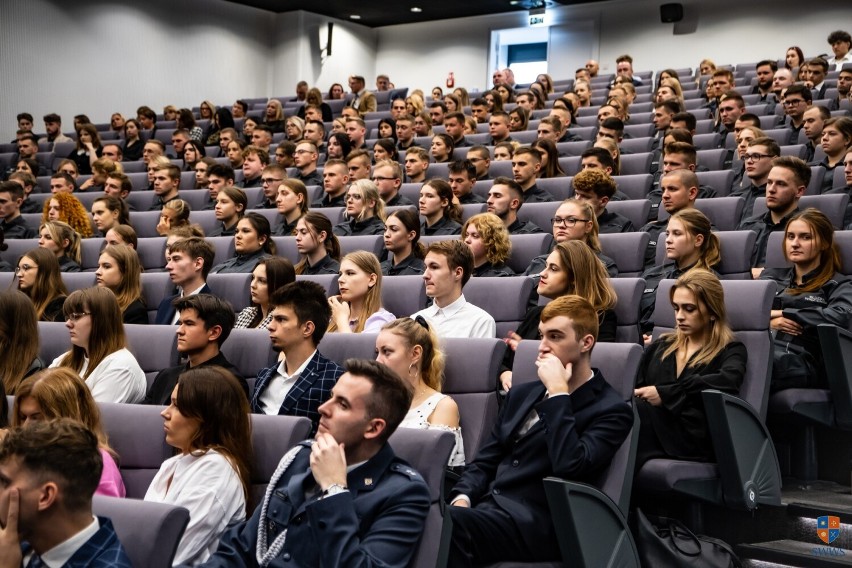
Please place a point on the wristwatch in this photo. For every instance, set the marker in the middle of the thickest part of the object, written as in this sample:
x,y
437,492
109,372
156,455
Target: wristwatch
x,y
334,489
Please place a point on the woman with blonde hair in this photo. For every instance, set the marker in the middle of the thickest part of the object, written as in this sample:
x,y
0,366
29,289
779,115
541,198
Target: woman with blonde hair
x,y
488,240
314,97
365,210
702,353
101,168
358,308
294,127
119,270
464,97
18,340
206,110
175,213
414,104
63,241
61,393
208,423
68,209
274,117
572,268
690,244
670,89
411,348
99,351
40,280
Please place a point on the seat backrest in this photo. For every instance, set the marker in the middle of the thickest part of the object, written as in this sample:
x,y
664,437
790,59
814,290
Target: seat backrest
x,y
723,212
78,280
635,164
287,248
16,248
833,205
559,187
506,299
145,222
271,437
342,346
135,432
233,288
712,159
472,382
403,295
155,287
370,243
635,186
428,451
53,340
224,247
327,281
148,531
90,250
748,303
250,351
152,252
627,250
637,210
153,346
629,292
527,247
720,180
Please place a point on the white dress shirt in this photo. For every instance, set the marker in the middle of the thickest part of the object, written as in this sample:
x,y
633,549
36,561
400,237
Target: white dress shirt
x,y
279,385
459,319
118,378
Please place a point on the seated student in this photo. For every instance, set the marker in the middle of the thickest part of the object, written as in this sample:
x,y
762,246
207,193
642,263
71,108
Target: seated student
x,y
402,241
412,350
63,241
273,175
499,510
489,243
207,421
358,308
218,177
526,163
99,351
416,164
108,211
13,224
359,164
364,209
505,199
550,167
836,142
173,215
252,242
292,203
166,184
269,275
788,179
442,148
387,175
188,264
317,244
442,216
702,353
119,270
304,378
60,458
847,172
571,269
376,503
122,235
61,393
679,190
758,163
254,159
28,183
690,243
462,179
204,323
39,278
335,181
449,265
809,293
597,188
230,207
18,340
575,220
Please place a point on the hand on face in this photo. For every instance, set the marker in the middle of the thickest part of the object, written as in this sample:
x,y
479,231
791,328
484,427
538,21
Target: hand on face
x,y
552,373
328,461
10,542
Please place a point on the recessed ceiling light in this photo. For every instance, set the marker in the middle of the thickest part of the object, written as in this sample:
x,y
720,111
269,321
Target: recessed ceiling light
x,y
354,17
417,9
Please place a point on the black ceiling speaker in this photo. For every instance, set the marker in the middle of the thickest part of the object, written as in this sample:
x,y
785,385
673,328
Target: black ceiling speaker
x,y
670,13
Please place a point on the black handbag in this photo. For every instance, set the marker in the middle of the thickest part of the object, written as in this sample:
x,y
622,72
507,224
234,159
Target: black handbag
x,y
667,542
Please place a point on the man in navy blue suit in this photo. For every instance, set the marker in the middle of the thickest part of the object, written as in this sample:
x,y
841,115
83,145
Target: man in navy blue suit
x,y
188,263
568,424
48,474
299,384
344,499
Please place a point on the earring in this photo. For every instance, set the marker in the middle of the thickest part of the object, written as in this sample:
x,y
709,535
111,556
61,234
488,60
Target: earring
x,y
410,367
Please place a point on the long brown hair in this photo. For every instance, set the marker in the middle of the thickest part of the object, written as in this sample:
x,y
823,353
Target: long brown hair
x,y
61,232
18,338
829,254
452,211
367,262
587,275
107,334
130,288
696,223
318,223
48,284
213,396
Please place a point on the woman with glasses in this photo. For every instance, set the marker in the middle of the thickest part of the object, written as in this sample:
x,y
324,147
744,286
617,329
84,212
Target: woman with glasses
x,y
99,351
690,244
365,210
39,278
575,220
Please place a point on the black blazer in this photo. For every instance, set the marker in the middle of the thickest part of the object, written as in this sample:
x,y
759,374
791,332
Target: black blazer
x,y
136,312
575,438
166,311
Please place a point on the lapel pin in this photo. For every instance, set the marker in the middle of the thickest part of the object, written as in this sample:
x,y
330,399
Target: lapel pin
x,y
368,481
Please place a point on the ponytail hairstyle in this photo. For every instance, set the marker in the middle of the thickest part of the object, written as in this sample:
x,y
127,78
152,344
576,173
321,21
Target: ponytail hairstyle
x,y
696,223
452,211
318,223
411,221
419,332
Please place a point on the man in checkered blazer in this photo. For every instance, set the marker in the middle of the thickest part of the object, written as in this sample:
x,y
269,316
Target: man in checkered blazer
x,y
299,384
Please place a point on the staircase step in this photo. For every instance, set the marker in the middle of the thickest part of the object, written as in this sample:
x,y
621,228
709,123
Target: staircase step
x,y
796,553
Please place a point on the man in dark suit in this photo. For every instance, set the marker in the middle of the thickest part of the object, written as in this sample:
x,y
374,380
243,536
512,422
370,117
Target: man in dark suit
x,y
344,499
204,323
50,470
303,380
567,424
188,263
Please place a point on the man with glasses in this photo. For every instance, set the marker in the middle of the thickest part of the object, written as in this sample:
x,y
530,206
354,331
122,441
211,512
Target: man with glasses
x,y
306,157
758,163
271,178
387,175
796,100
480,157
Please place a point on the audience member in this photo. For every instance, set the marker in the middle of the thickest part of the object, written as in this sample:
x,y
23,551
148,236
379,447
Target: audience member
x,y
119,270
12,224
317,244
758,163
252,242
60,239
175,214
387,175
365,210
19,340
231,203
597,188
189,261
269,275
441,215
39,278
401,240
68,209
358,308
335,175
291,203
416,163
108,211
489,243
505,198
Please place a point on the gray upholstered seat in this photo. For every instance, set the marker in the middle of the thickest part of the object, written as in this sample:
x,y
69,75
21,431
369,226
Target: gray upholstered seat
x,y
627,250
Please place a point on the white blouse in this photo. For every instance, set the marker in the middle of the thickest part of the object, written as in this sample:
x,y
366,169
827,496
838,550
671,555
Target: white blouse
x,y
118,378
210,488
419,418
